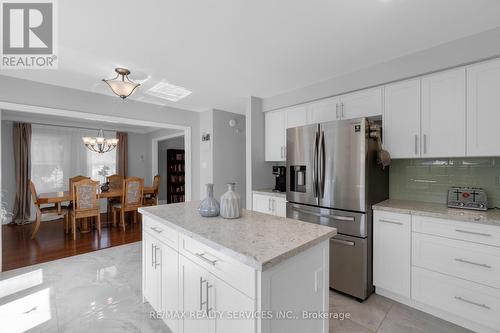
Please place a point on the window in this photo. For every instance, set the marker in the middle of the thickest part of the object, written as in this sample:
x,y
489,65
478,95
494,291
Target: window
x,y
58,153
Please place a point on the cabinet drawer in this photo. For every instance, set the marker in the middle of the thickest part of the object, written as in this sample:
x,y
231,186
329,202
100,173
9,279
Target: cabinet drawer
x,y
467,231
475,262
166,234
473,301
236,274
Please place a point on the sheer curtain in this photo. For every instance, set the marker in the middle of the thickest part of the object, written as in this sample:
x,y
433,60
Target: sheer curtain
x,y
58,153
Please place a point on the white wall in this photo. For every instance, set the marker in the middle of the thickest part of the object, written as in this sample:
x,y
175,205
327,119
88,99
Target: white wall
x,y
461,51
33,93
163,146
206,151
229,153
258,171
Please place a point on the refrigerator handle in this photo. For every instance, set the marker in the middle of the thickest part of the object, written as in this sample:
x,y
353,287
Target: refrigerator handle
x,y
315,165
321,168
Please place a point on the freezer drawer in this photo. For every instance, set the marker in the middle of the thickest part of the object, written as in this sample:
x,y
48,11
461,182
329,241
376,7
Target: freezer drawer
x,y
350,271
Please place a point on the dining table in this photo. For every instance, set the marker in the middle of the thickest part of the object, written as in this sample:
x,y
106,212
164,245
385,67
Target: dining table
x,y
59,197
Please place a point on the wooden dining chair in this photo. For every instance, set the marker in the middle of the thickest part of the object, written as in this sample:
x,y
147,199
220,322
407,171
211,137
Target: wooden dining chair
x,y
115,181
151,199
85,203
132,198
73,180
44,210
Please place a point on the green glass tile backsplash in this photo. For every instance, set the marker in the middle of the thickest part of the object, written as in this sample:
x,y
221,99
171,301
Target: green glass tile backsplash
x,y
429,179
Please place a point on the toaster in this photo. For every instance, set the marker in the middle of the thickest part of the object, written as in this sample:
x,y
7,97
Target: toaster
x,y
467,198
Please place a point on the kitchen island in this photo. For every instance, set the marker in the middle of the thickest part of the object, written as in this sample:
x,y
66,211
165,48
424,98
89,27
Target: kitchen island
x,y
258,273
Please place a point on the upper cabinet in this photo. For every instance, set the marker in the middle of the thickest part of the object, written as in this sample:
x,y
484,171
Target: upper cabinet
x,y
275,135
327,109
364,103
296,116
483,109
402,119
443,103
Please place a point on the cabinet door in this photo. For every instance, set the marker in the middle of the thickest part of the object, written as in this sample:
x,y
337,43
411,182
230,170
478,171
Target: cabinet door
x,y
152,271
169,262
364,103
323,110
193,296
275,135
443,114
483,109
262,204
402,119
296,116
279,207
391,252
227,300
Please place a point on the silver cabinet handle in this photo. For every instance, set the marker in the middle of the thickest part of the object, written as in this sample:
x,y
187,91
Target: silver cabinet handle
x,y
343,242
337,111
202,281
472,263
342,110
152,257
273,205
281,154
416,144
156,260
269,205
207,295
484,306
425,143
391,222
342,218
202,257
156,229
472,233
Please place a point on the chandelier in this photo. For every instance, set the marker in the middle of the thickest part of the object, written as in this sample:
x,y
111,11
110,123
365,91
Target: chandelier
x,y
100,144
123,86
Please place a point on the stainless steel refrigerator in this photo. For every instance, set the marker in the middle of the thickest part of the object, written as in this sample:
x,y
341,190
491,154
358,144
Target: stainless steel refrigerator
x,y
333,179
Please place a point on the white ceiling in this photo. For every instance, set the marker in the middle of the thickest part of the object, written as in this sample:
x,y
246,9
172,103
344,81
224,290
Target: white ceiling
x,y
227,50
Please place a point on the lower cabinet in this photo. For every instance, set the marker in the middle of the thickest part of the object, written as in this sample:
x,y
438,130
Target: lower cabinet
x,y
269,204
450,269
391,252
152,271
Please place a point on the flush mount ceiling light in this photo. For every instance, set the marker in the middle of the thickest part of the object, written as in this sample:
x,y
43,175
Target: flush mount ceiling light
x,y
123,87
168,91
100,144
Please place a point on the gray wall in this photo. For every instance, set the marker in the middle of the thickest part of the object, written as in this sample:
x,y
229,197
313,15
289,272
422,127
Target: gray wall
x,y
461,51
139,157
229,153
8,171
33,93
206,151
163,146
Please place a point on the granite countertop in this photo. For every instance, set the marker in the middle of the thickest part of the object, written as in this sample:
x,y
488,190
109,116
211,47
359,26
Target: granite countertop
x,y
439,210
270,192
255,239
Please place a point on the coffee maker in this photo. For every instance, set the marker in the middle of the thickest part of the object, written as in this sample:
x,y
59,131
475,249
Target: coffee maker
x,y
280,173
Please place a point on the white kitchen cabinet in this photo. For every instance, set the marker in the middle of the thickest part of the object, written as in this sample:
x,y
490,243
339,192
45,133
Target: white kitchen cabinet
x,y
275,136
228,300
392,252
327,109
363,103
483,109
296,116
443,114
269,204
195,291
402,119
152,270
169,263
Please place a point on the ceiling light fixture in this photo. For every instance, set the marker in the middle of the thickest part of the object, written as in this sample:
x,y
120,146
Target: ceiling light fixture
x,y
124,87
100,144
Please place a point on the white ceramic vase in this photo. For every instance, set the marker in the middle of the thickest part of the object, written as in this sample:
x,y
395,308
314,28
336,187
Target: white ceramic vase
x,y
230,203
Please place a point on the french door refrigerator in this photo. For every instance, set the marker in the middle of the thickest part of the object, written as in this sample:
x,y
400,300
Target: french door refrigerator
x,y
333,179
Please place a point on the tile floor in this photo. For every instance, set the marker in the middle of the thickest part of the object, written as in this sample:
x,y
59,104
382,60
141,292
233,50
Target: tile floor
x,y
101,292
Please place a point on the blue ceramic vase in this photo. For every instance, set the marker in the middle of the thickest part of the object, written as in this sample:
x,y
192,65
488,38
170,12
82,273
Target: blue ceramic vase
x,y
209,207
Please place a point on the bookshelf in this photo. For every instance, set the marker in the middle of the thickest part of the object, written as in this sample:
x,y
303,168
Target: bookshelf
x,y
175,175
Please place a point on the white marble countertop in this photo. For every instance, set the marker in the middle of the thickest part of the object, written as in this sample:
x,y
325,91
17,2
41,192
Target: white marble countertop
x,y
270,192
438,210
258,240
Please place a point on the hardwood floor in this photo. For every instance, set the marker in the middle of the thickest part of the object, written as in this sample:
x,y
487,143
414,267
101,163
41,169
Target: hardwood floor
x,y
52,243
